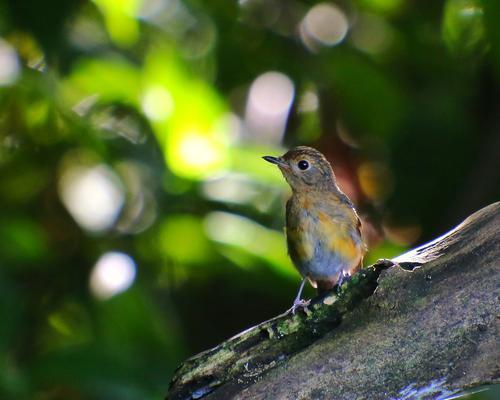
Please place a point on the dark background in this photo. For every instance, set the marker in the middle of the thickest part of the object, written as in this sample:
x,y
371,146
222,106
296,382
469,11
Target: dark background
x,y
138,223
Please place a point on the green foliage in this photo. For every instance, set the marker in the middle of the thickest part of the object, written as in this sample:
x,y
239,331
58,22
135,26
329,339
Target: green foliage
x,y
463,26
138,222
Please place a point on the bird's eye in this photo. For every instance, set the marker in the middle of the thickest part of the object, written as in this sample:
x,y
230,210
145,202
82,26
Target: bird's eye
x,y
303,165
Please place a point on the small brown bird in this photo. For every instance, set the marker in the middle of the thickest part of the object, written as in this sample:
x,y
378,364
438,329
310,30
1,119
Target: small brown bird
x,y
323,229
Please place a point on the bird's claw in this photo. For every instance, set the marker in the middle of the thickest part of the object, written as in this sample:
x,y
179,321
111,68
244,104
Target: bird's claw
x,y
300,304
344,277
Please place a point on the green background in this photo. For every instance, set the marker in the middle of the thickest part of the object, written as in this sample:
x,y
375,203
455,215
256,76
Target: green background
x,y
145,106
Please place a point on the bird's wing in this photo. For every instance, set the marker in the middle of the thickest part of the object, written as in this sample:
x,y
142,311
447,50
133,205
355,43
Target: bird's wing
x,y
300,247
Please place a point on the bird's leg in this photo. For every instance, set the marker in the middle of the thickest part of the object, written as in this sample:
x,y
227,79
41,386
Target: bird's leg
x,y
344,277
298,302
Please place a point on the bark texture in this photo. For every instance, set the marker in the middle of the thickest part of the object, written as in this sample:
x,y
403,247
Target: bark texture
x,y
424,325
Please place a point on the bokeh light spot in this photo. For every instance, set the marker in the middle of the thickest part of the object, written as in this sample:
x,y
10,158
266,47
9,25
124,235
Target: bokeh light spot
x,y
92,195
113,273
157,103
376,180
309,101
269,101
194,138
230,188
197,153
372,34
324,24
9,64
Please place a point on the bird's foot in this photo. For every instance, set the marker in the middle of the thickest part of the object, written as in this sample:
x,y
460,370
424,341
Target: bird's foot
x,y
300,304
344,277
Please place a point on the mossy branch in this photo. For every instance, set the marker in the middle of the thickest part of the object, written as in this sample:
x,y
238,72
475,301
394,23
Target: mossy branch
x,y
427,328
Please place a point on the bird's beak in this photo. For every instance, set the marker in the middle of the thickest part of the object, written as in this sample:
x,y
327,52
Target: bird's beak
x,y
276,160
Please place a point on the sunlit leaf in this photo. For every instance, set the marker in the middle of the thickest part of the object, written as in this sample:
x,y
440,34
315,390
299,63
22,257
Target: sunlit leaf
x,y
109,79
252,238
120,17
187,116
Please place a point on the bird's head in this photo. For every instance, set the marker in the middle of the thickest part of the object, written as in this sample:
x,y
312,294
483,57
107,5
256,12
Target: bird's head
x,y
305,168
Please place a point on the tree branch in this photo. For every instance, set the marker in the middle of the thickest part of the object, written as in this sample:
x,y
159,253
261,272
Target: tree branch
x,y
429,328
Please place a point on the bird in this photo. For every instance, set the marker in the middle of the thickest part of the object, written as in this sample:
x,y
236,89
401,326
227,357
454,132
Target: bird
x,y
323,229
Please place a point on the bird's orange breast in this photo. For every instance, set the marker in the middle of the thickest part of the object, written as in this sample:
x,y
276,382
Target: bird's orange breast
x,y
323,236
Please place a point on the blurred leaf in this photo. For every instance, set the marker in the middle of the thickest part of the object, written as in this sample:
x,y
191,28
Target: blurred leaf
x,y
182,238
463,26
120,19
111,79
23,241
66,327
382,6
193,132
249,237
